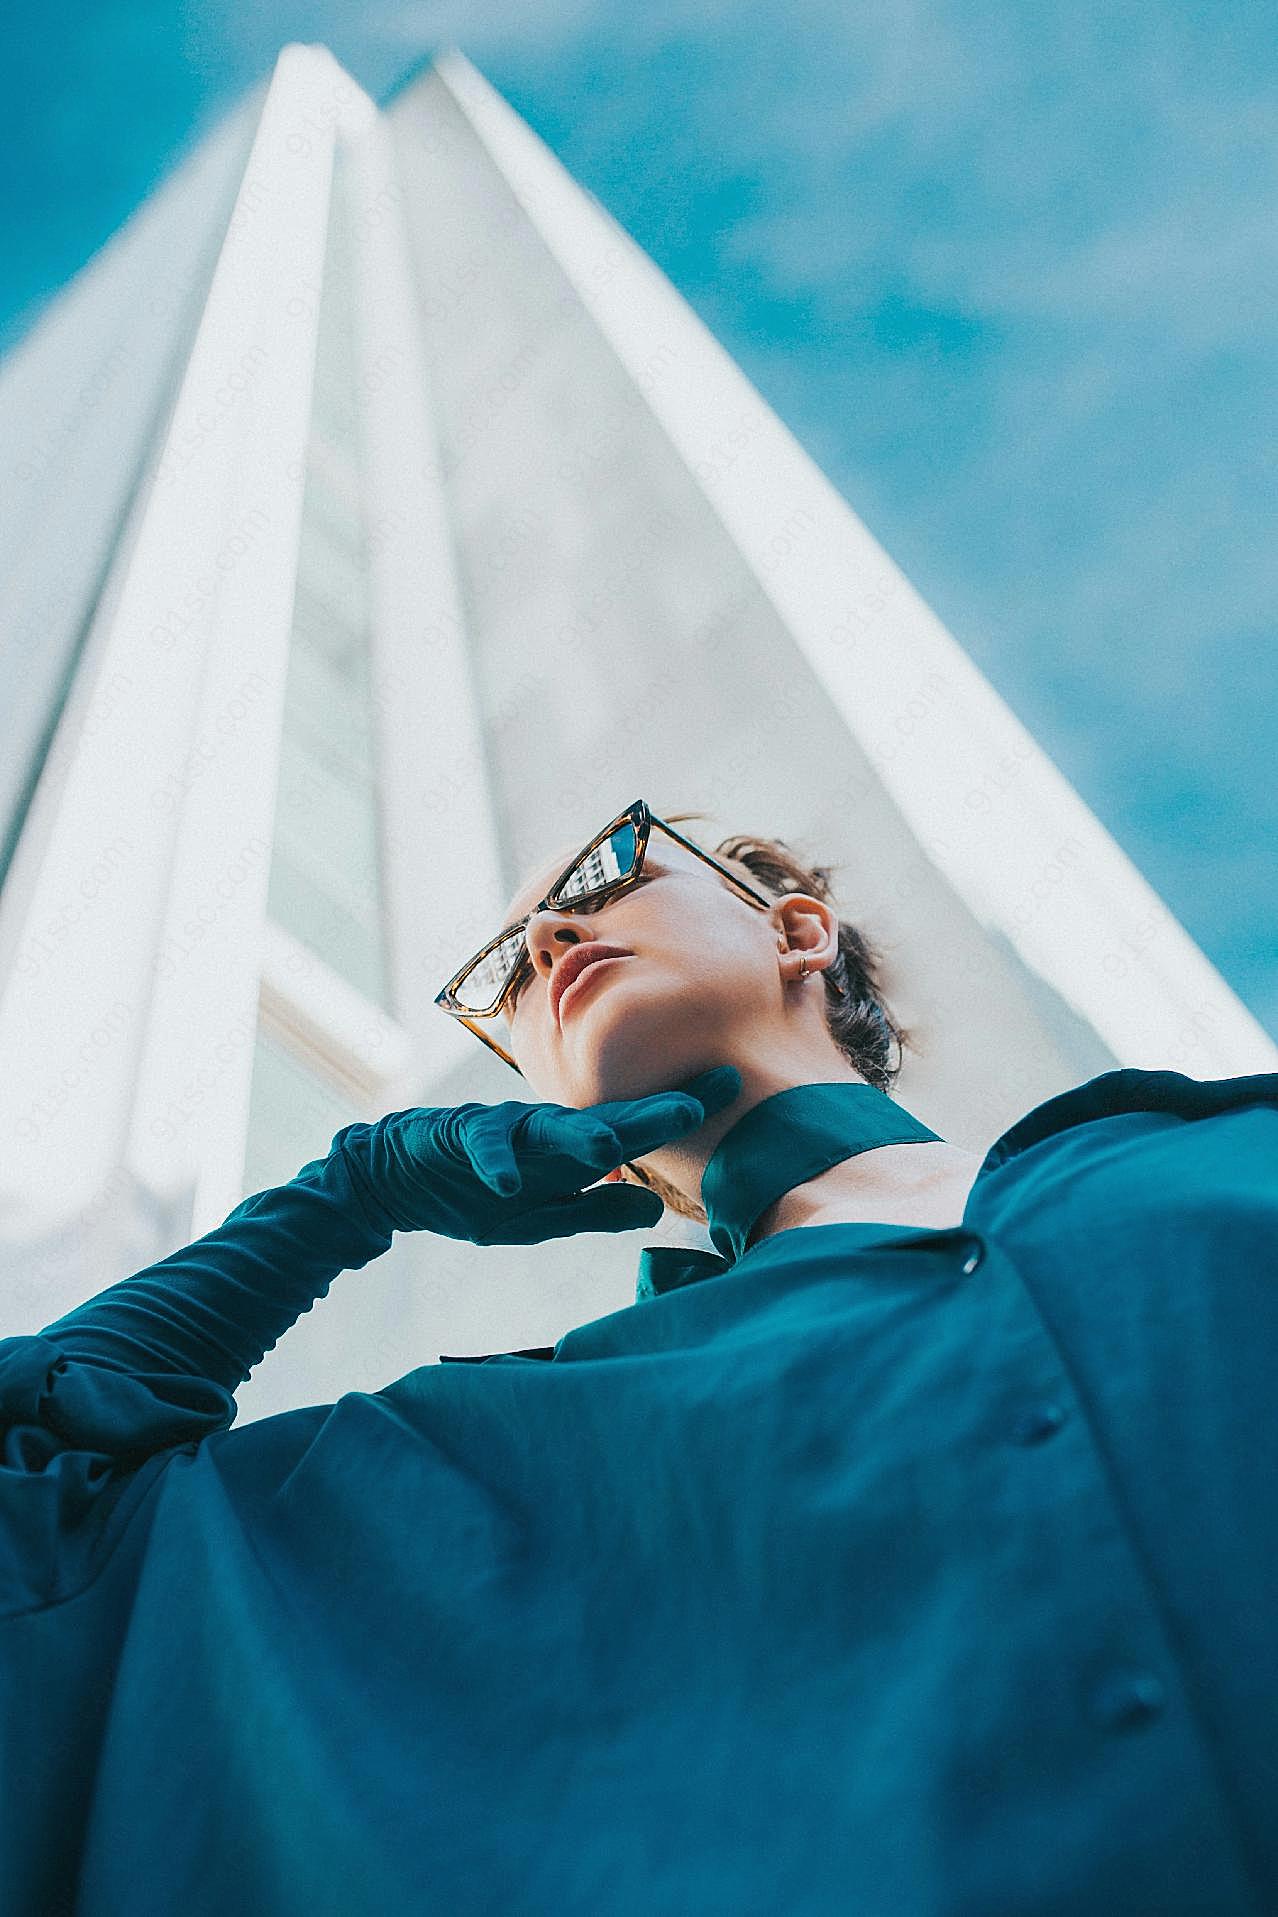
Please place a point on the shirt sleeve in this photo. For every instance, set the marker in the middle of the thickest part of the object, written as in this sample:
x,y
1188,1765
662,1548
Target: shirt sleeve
x,y
153,1362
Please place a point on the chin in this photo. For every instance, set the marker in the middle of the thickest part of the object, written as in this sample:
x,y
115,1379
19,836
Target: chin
x,y
631,1064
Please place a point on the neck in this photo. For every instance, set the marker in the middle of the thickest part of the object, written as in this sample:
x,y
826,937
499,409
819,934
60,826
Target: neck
x,y
919,1183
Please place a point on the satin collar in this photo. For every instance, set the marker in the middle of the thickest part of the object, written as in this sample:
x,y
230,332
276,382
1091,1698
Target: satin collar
x,y
781,1142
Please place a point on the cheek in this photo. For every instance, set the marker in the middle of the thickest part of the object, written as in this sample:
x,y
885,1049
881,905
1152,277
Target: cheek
x,y
722,959
527,1045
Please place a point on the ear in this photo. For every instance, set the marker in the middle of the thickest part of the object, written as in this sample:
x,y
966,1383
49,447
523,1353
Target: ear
x,y
615,1176
810,924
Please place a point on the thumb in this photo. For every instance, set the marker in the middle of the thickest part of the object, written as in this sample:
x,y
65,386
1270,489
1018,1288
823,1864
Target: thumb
x,y
631,1209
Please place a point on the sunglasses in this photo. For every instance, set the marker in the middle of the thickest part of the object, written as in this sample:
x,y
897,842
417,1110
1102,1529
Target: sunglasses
x,y
611,861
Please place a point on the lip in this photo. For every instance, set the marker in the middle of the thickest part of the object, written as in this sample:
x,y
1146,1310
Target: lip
x,y
594,963
604,958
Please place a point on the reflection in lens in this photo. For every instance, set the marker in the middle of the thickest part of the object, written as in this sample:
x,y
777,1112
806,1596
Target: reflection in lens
x,y
603,865
478,990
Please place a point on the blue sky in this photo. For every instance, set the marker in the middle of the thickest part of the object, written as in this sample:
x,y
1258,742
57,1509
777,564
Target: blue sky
x,y
1009,274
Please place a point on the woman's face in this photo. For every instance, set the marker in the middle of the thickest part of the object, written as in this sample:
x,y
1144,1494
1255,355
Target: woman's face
x,y
701,981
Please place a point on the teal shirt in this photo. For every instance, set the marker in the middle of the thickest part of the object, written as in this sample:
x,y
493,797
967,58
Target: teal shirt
x,y
877,1569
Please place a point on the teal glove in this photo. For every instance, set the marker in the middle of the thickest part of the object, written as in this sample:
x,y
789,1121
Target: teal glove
x,y
512,1174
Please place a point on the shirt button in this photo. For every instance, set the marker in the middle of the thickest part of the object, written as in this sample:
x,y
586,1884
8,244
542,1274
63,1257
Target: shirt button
x,y
1128,1699
973,1258
1039,1422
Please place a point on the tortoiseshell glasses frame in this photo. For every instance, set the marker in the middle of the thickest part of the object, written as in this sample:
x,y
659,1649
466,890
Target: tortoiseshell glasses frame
x,y
642,819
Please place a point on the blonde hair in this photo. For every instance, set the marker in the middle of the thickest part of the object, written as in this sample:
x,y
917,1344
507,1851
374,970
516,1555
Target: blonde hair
x,y
859,1021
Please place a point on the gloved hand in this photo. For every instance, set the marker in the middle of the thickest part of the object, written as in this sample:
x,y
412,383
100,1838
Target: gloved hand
x,y
512,1174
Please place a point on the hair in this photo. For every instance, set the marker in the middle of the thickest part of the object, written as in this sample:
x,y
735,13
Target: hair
x,y
858,1019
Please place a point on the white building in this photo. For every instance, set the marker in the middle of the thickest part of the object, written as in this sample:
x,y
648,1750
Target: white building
x,y
381,521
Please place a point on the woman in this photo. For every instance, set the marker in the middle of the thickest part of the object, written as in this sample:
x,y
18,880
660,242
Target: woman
x,y
790,995
916,1561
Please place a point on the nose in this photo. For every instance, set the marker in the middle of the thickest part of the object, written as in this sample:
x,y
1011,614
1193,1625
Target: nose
x,y
548,934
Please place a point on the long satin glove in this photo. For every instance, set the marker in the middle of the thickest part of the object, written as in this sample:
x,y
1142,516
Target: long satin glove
x,y
512,1173
155,1359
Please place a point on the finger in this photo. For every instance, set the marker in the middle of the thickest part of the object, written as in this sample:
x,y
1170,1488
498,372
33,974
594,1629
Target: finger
x,y
644,1123
714,1088
581,1136
492,1153
615,1208
593,1140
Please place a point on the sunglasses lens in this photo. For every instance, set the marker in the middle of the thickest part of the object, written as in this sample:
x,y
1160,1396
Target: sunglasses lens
x,y
600,867
480,987
612,858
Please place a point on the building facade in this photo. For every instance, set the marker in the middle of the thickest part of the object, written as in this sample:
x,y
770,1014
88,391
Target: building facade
x,y
382,521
